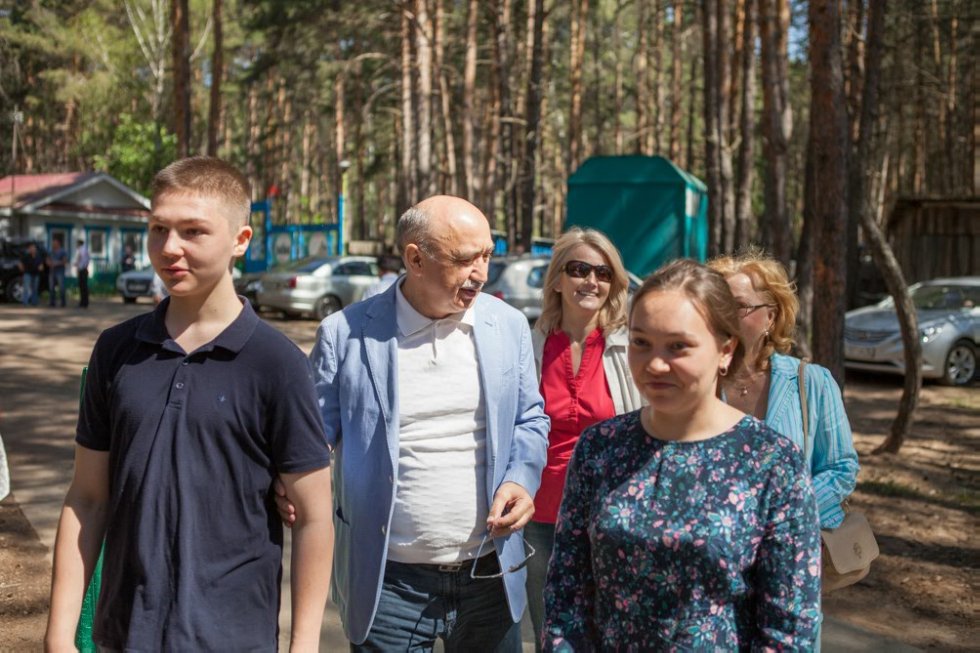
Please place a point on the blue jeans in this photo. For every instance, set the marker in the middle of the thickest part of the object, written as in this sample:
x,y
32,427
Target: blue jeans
x,y
57,280
31,283
542,537
419,603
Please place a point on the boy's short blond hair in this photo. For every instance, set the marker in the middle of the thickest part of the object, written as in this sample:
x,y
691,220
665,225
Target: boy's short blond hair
x,y
207,176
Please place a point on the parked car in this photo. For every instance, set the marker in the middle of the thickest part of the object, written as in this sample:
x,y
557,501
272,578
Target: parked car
x,y
247,285
139,283
135,284
11,278
949,326
317,286
519,281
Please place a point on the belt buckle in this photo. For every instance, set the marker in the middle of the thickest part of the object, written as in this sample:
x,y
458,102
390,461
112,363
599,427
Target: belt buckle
x,y
450,568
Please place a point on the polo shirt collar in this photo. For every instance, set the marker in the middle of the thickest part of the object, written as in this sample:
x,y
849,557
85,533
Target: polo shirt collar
x,y
233,338
410,321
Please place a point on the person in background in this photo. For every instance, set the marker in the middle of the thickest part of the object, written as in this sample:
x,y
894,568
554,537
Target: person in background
x,y
81,267
128,260
687,524
389,266
31,264
57,265
580,354
767,383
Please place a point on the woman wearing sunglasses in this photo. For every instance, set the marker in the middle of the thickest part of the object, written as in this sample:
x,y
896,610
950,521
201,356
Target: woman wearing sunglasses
x,y
580,351
767,383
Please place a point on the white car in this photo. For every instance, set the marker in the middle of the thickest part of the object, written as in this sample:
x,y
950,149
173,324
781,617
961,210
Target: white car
x,y
949,326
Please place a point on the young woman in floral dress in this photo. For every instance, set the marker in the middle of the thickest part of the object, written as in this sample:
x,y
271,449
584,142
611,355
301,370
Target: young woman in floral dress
x,y
686,524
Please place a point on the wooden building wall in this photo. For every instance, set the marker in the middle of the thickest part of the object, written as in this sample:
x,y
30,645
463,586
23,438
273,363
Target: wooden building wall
x,y
936,237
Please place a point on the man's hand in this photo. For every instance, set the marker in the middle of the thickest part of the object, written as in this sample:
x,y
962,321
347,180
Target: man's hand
x,y
512,508
286,510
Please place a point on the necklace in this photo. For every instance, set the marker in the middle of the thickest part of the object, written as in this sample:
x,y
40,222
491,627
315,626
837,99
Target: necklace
x,y
744,384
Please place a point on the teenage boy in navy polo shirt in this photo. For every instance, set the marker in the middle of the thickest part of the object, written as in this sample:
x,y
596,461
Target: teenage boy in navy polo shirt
x,y
189,413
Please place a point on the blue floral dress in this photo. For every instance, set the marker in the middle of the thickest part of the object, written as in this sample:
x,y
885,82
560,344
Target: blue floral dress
x,y
708,545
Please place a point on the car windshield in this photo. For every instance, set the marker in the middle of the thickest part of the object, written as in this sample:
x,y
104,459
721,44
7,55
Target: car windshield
x,y
945,297
301,265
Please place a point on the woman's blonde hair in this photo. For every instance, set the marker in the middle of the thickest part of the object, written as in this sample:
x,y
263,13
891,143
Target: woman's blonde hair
x,y
612,315
770,280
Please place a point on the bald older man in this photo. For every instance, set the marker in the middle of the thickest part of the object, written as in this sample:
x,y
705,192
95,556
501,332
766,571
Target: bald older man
x,y
431,402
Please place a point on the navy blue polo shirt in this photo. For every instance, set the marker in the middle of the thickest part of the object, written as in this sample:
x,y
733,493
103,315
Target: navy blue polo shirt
x,y
193,544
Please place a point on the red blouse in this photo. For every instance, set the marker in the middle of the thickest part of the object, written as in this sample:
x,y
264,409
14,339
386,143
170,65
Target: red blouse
x,y
574,403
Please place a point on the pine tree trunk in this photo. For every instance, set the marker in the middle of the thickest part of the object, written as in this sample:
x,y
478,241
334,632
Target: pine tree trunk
x,y
712,158
777,124
409,168
744,221
676,72
217,69
654,138
868,208
618,78
853,85
828,146
469,103
641,77
723,99
580,12
180,24
532,118
423,50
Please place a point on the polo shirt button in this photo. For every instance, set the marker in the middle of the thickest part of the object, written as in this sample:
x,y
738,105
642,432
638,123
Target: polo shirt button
x,y
384,529
186,362
391,479
179,385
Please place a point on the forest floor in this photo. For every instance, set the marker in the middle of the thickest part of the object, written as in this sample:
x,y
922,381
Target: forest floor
x,y
923,503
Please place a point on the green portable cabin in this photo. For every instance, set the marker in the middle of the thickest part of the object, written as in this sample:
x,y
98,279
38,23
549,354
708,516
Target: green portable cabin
x,y
653,211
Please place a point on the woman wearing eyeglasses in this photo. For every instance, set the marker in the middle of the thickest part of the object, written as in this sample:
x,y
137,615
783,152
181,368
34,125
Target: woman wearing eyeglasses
x,y
767,383
580,351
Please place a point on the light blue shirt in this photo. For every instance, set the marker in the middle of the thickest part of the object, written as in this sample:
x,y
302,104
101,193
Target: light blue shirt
x,y
830,453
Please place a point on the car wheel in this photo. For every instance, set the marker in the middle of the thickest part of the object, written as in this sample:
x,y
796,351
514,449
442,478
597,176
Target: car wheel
x,y
129,300
961,364
15,290
325,306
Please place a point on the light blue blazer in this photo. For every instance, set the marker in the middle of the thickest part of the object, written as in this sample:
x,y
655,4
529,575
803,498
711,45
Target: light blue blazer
x,y
355,367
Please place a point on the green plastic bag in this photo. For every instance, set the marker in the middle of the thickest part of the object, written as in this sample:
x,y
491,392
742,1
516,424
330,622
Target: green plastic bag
x,y
83,634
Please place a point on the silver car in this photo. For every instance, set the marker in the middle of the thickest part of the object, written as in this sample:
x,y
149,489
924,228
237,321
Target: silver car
x,y
949,326
135,284
518,281
317,286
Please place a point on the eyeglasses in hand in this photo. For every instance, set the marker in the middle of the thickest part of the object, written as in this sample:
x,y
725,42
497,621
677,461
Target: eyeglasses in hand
x,y
499,574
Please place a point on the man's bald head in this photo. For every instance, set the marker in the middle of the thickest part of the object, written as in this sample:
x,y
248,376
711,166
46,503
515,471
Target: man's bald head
x,y
424,223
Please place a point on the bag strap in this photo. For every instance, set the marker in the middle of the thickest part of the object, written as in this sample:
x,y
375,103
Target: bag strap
x,y
806,418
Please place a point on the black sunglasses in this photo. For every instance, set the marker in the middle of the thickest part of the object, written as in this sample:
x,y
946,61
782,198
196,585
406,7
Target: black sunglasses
x,y
581,270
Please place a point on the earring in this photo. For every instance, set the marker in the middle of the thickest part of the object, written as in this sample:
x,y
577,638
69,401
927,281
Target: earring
x,y
723,370
765,336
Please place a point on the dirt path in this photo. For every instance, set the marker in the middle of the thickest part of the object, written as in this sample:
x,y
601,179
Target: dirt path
x,y
923,504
